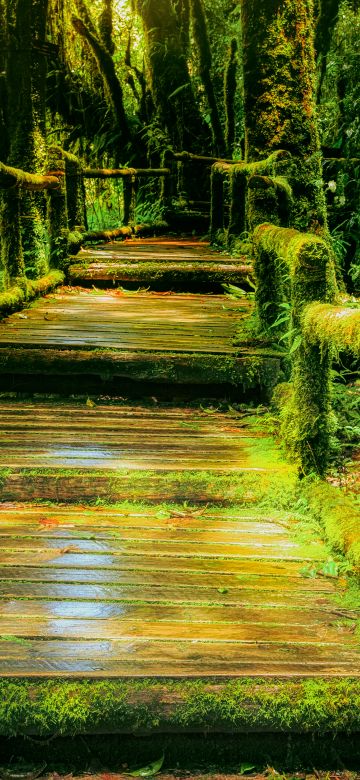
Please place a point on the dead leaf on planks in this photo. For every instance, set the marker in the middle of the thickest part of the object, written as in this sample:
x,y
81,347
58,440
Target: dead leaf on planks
x,y
57,552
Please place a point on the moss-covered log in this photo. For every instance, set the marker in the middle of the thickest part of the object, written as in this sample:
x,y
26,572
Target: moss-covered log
x,y
15,297
269,199
14,177
57,212
295,269
332,326
279,77
75,189
122,173
338,514
238,174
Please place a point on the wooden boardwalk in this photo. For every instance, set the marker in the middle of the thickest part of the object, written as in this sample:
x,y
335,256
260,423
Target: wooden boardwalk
x,y
146,541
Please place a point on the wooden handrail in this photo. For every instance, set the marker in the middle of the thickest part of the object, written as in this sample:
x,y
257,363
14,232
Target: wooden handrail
x,y
34,182
123,173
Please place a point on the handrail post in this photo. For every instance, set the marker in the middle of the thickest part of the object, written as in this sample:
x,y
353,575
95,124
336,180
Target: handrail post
x,y
168,183
129,185
217,202
57,211
75,193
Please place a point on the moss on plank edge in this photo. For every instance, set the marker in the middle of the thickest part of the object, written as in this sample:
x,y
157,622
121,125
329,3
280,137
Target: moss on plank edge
x,y
66,707
263,488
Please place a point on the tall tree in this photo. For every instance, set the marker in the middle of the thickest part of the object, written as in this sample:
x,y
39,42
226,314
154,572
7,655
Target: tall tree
x,y
175,103
25,66
280,101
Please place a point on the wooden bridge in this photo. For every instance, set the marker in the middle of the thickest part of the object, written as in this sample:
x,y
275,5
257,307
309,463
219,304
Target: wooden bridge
x,y
157,563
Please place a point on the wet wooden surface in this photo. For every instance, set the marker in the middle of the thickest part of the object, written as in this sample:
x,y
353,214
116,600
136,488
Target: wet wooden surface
x,y
157,259
143,322
146,591
75,436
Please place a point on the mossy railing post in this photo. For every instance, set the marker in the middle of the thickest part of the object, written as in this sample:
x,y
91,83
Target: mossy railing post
x,y
297,267
217,202
57,211
257,194
168,183
75,193
129,194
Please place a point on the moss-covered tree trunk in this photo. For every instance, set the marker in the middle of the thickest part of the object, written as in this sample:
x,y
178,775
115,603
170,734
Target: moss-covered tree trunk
x,y
23,214
173,96
205,62
279,86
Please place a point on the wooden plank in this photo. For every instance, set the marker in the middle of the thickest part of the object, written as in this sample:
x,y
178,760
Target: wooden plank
x,y
174,594
250,581
114,628
145,321
288,551
218,653
150,562
162,612
159,668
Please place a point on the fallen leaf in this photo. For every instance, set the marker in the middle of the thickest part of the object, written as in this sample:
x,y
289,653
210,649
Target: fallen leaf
x,y
48,522
148,771
245,768
91,404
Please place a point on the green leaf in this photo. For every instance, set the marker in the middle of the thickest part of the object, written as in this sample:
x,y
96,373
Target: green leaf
x,y
148,771
296,344
308,571
222,590
162,514
178,90
330,569
246,768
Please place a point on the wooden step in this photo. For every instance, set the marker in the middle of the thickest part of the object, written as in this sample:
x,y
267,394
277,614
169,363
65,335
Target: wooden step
x,y
162,264
80,450
168,339
128,592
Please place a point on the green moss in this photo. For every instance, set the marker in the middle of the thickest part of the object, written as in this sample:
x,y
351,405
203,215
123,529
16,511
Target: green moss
x,y
168,275
15,297
294,269
338,514
263,488
337,327
63,707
